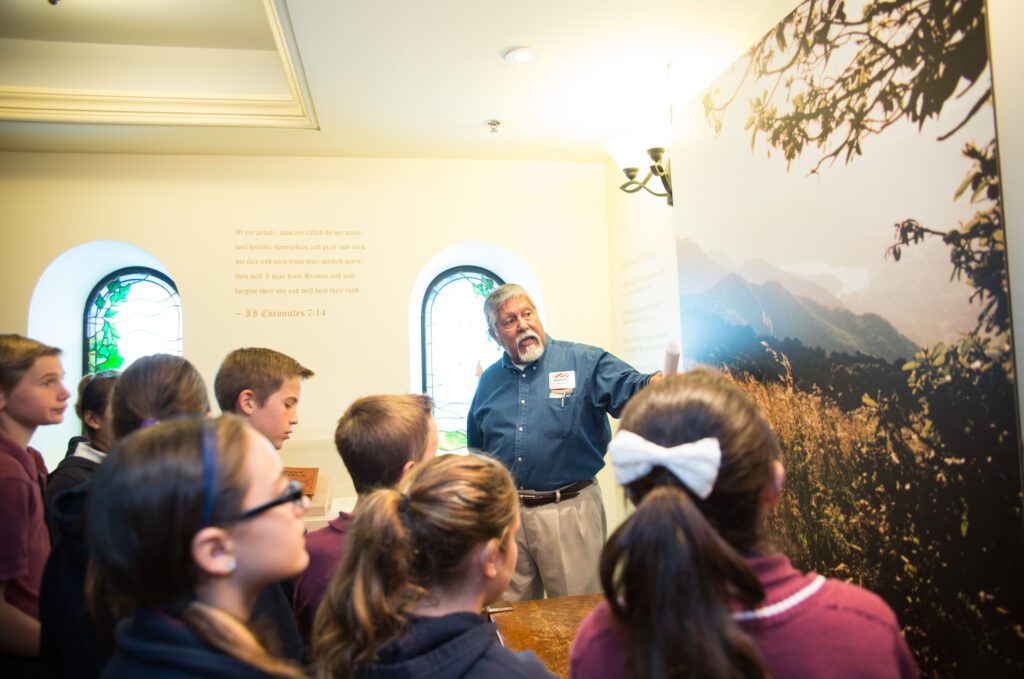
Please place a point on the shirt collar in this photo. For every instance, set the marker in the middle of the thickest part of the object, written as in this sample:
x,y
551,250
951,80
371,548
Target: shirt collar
x,y
84,450
342,522
778,576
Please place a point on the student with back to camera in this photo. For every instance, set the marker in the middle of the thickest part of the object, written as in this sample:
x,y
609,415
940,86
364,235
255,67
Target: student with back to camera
x,y
154,388
421,561
690,587
379,438
189,521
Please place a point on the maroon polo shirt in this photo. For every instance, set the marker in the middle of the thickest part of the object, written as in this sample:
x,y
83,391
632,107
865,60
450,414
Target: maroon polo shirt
x,y
326,547
807,627
24,540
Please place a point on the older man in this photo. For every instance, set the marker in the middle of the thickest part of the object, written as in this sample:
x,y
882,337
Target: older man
x,y
542,411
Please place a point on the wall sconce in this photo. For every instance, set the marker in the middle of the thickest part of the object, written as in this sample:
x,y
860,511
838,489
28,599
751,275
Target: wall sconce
x,y
626,156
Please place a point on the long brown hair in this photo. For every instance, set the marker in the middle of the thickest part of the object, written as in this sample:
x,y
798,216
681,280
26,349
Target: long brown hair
x,y
144,509
155,388
672,569
405,542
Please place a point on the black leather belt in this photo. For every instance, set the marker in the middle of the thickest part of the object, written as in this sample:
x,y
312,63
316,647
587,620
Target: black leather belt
x,y
536,498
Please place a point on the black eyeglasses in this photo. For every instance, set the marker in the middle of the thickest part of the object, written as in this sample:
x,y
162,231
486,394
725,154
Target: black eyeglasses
x,y
293,493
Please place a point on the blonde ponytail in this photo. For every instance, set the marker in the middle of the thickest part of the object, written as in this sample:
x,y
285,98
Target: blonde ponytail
x,y
231,636
363,608
404,543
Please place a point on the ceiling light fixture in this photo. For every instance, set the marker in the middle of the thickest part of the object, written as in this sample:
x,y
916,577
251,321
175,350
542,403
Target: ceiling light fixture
x,y
519,55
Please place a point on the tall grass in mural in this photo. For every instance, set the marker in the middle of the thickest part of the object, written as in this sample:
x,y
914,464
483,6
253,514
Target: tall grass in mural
x,y
903,457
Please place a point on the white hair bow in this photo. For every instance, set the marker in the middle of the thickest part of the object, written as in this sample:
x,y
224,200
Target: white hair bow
x,y
696,464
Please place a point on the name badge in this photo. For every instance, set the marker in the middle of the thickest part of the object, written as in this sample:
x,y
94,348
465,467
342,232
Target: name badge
x,y
565,379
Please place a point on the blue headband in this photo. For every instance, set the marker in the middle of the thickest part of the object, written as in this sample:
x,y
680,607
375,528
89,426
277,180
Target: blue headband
x,y
209,445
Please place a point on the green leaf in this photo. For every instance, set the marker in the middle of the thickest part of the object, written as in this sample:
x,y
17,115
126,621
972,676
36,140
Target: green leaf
x,y
452,440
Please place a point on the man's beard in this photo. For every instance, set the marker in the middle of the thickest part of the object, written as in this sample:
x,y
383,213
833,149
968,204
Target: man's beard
x,y
532,352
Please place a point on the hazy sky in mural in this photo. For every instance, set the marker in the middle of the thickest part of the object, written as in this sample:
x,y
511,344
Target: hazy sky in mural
x,y
741,205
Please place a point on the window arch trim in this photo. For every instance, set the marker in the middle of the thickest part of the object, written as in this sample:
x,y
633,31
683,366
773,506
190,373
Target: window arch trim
x,y
430,293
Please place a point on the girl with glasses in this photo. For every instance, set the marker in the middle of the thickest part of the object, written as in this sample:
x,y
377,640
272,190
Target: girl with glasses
x,y
189,521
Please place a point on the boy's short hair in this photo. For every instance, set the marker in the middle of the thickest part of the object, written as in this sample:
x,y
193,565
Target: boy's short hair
x,y
378,435
17,356
256,368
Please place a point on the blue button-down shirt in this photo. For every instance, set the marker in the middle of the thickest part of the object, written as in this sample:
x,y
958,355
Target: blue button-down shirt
x,y
545,440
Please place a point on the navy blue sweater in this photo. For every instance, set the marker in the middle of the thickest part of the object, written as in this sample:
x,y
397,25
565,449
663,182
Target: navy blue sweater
x,y
455,646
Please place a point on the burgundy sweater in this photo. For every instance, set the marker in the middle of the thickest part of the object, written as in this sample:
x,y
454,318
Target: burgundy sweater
x,y
326,547
807,626
24,538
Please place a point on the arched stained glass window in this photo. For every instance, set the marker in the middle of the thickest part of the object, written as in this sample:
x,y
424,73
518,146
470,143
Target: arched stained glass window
x,y
456,347
131,313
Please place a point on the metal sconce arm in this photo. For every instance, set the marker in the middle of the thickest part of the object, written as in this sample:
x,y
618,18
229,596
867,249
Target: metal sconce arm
x,y
662,171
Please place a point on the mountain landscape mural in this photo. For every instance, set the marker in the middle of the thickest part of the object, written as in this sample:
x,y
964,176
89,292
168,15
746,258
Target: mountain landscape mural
x,y
771,310
841,257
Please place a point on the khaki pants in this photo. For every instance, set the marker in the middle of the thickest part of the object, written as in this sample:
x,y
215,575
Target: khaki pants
x,y
560,548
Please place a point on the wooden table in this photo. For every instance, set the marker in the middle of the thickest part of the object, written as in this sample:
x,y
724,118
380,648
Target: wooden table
x,y
544,626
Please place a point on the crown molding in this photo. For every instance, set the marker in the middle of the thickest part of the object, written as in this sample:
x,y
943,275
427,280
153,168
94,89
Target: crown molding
x,y
71,106
140,107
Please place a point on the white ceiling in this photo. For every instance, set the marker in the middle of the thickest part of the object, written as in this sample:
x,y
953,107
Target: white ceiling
x,y
411,78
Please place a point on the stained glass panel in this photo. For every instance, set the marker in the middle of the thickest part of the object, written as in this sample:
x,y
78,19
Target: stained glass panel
x,y
129,314
456,347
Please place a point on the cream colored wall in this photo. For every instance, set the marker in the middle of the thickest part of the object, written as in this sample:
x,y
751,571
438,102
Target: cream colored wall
x,y
185,210
644,294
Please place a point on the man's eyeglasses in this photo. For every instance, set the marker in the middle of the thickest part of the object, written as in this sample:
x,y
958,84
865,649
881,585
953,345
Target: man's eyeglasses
x,y
293,493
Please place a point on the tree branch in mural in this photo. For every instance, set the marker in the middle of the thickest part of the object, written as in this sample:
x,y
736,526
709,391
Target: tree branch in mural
x,y
901,59
914,488
977,250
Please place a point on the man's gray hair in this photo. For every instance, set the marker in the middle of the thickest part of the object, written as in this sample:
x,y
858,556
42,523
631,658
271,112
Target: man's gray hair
x,y
496,299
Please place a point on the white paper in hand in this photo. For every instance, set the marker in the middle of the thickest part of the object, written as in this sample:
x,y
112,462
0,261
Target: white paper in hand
x,y
671,359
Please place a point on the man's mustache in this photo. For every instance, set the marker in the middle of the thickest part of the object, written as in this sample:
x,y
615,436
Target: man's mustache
x,y
527,334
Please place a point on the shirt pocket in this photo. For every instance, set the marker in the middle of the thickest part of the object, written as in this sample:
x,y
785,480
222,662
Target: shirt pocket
x,y
559,416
